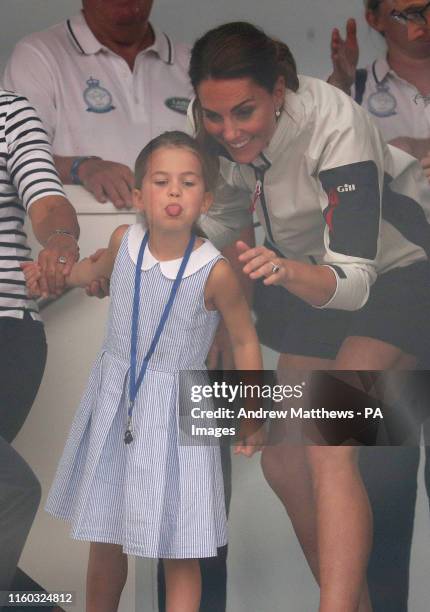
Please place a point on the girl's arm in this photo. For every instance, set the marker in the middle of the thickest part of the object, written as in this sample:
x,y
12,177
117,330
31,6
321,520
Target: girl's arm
x,y
82,273
86,271
223,292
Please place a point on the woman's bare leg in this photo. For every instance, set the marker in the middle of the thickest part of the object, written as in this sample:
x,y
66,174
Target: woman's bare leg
x,y
183,585
106,576
286,468
344,527
358,353
299,477
343,512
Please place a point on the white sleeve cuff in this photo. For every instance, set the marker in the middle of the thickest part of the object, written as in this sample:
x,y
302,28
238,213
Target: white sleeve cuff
x,y
352,290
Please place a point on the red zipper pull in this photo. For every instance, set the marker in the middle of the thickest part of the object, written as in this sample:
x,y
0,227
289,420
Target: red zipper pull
x,y
256,195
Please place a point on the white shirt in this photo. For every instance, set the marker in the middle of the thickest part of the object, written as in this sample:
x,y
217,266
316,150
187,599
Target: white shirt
x,y
27,173
88,98
396,105
323,176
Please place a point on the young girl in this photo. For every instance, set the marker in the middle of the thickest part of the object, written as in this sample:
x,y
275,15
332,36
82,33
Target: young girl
x,y
125,482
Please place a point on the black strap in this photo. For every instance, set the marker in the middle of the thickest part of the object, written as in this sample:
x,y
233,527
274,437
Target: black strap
x,y
360,84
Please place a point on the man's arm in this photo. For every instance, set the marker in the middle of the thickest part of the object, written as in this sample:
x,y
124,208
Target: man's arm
x,y
29,73
105,180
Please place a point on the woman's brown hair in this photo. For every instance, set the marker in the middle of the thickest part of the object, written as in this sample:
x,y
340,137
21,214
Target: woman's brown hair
x,y
240,50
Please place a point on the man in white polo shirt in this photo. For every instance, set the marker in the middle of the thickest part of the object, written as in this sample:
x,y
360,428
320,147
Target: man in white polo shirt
x,y
104,82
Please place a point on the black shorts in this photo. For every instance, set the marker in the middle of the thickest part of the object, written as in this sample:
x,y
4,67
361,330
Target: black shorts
x,y
397,312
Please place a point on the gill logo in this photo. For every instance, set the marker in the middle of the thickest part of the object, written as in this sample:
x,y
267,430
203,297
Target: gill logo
x,y
346,187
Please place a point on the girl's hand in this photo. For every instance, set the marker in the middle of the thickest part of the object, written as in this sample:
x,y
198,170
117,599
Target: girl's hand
x,y
56,261
100,287
249,444
32,274
260,262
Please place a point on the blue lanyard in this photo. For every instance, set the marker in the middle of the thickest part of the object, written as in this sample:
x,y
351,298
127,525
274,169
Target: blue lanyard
x,y
135,384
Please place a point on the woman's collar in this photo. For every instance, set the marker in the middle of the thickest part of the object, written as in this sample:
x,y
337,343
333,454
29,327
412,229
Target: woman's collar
x,y
287,127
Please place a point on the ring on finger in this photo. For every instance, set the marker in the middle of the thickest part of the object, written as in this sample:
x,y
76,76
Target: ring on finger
x,y
62,259
275,268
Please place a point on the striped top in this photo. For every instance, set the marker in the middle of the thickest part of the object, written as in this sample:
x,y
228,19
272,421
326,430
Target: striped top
x,y
27,173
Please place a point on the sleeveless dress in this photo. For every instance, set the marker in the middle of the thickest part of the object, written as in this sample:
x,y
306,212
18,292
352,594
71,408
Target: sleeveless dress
x,y
156,497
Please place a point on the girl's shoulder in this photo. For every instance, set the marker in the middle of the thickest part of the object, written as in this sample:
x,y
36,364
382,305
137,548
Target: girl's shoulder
x,y
221,276
117,238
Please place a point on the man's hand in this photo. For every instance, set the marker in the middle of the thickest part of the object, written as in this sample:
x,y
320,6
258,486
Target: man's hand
x,y
107,180
344,56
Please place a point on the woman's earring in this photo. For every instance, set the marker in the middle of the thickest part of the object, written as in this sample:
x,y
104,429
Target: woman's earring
x,y
277,113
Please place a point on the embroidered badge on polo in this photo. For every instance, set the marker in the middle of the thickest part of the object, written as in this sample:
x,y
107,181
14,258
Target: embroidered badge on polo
x,y
98,99
179,105
382,103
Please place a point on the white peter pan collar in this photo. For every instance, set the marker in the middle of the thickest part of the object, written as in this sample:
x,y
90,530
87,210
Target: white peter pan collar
x,y
198,258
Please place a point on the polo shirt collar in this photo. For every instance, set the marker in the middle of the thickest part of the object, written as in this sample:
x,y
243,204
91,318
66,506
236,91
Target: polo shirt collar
x,y
162,46
87,44
81,35
381,69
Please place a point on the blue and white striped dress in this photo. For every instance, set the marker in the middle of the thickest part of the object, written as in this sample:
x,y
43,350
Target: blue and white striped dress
x,y
155,497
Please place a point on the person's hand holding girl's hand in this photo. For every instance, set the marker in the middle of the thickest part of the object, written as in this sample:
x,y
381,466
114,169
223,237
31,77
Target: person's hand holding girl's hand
x,y
32,274
344,56
260,262
56,261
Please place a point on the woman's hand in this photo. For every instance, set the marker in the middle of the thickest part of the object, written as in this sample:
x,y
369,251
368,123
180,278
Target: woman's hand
x,y
344,56
260,262
56,261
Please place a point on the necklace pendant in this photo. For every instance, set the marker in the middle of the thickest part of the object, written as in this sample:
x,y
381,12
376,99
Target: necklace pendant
x,y
128,436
